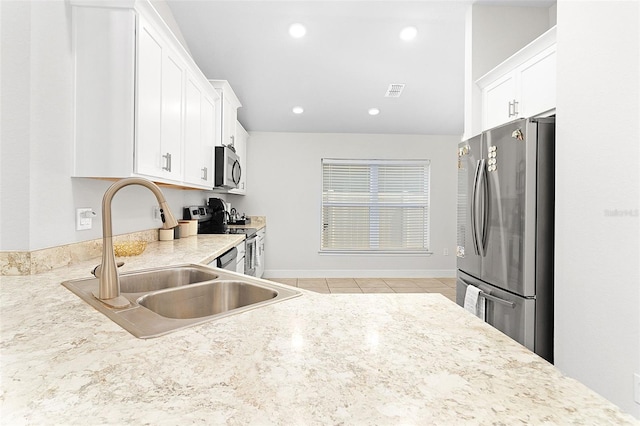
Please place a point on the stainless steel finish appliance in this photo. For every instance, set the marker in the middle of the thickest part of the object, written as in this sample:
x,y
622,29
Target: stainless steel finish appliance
x,y
212,219
506,228
227,167
251,250
228,260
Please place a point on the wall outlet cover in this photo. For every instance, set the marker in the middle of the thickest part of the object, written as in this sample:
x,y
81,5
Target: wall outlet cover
x,y
83,218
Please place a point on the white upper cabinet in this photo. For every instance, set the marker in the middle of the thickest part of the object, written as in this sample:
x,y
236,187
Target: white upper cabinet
x,y
538,83
200,135
229,114
498,101
241,139
143,107
160,86
522,86
231,132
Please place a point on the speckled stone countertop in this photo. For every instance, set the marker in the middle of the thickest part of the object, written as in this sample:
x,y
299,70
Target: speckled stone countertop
x,y
257,222
318,359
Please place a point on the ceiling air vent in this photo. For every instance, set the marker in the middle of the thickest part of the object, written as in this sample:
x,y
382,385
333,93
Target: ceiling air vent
x,y
394,90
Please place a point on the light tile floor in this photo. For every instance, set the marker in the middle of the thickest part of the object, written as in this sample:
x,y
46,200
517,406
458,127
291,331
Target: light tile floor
x,y
444,286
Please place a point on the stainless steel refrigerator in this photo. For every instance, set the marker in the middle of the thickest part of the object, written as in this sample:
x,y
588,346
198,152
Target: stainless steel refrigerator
x,y
506,228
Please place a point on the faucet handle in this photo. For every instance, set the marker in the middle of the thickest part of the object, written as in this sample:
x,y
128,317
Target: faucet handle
x,y
96,271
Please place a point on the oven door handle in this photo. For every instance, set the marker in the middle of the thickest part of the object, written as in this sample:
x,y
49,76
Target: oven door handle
x,y
251,245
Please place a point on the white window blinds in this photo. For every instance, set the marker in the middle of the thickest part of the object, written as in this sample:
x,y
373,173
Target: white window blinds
x,y
375,205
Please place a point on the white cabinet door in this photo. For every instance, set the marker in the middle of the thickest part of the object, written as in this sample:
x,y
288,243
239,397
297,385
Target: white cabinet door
x,y
498,101
241,257
260,254
172,104
148,158
192,132
229,119
241,150
160,87
200,135
538,83
228,114
210,103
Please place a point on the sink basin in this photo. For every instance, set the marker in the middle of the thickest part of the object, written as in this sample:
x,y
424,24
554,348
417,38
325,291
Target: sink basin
x,y
158,279
167,299
205,299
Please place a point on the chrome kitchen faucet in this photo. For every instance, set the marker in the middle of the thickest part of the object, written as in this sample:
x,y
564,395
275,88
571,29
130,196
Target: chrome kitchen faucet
x,y
109,290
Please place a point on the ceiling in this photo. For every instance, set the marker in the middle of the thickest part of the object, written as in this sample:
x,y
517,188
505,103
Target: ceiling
x,y
340,69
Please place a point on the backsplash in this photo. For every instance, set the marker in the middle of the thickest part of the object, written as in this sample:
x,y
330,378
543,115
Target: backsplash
x,y
37,261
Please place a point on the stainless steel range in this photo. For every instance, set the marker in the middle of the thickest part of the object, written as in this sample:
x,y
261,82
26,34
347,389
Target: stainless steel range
x,y
212,219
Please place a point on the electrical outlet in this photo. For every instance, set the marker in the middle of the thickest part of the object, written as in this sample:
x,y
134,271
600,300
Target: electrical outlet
x,y
445,252
156,213
84,219
636,388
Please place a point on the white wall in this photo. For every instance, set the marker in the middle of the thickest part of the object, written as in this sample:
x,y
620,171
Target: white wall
x,y
164,11
14,162
499,32
597,303
284,184
38,196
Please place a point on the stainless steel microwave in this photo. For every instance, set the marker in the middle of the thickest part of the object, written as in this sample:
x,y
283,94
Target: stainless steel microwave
x,y
227,168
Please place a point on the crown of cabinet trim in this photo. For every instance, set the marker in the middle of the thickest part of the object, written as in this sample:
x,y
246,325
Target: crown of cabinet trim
x,y
544,41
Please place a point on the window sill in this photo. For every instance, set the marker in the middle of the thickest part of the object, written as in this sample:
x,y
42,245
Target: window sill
x,y
375,253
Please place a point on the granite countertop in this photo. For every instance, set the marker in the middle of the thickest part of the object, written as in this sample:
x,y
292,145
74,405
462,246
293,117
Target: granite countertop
x,y
257,222
316,359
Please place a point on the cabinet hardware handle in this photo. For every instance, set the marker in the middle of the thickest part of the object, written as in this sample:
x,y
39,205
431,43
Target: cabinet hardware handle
x,y
513,108
168,163
204,173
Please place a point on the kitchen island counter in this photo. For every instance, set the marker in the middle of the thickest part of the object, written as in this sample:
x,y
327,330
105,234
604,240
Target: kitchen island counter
x,y
315,359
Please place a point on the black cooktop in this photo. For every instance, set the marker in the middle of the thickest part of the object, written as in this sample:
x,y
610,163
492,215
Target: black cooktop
x,y
210,221
209,228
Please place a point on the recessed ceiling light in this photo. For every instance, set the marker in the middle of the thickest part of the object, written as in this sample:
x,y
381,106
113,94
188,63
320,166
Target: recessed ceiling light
x,y
408,33
297,30
297,110
374,111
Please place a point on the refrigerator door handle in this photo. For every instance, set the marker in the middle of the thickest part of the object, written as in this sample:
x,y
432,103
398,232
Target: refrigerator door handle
x,y
474,197
490,297
497,299
482,177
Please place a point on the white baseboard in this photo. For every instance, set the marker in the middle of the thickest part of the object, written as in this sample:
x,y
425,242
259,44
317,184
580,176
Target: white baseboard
x,y
366,273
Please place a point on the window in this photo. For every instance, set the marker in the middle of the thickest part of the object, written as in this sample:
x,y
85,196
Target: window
x,y
375,205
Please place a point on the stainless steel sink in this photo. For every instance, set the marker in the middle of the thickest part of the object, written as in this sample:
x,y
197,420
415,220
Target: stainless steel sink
x,y
145,281
163,300
206,299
